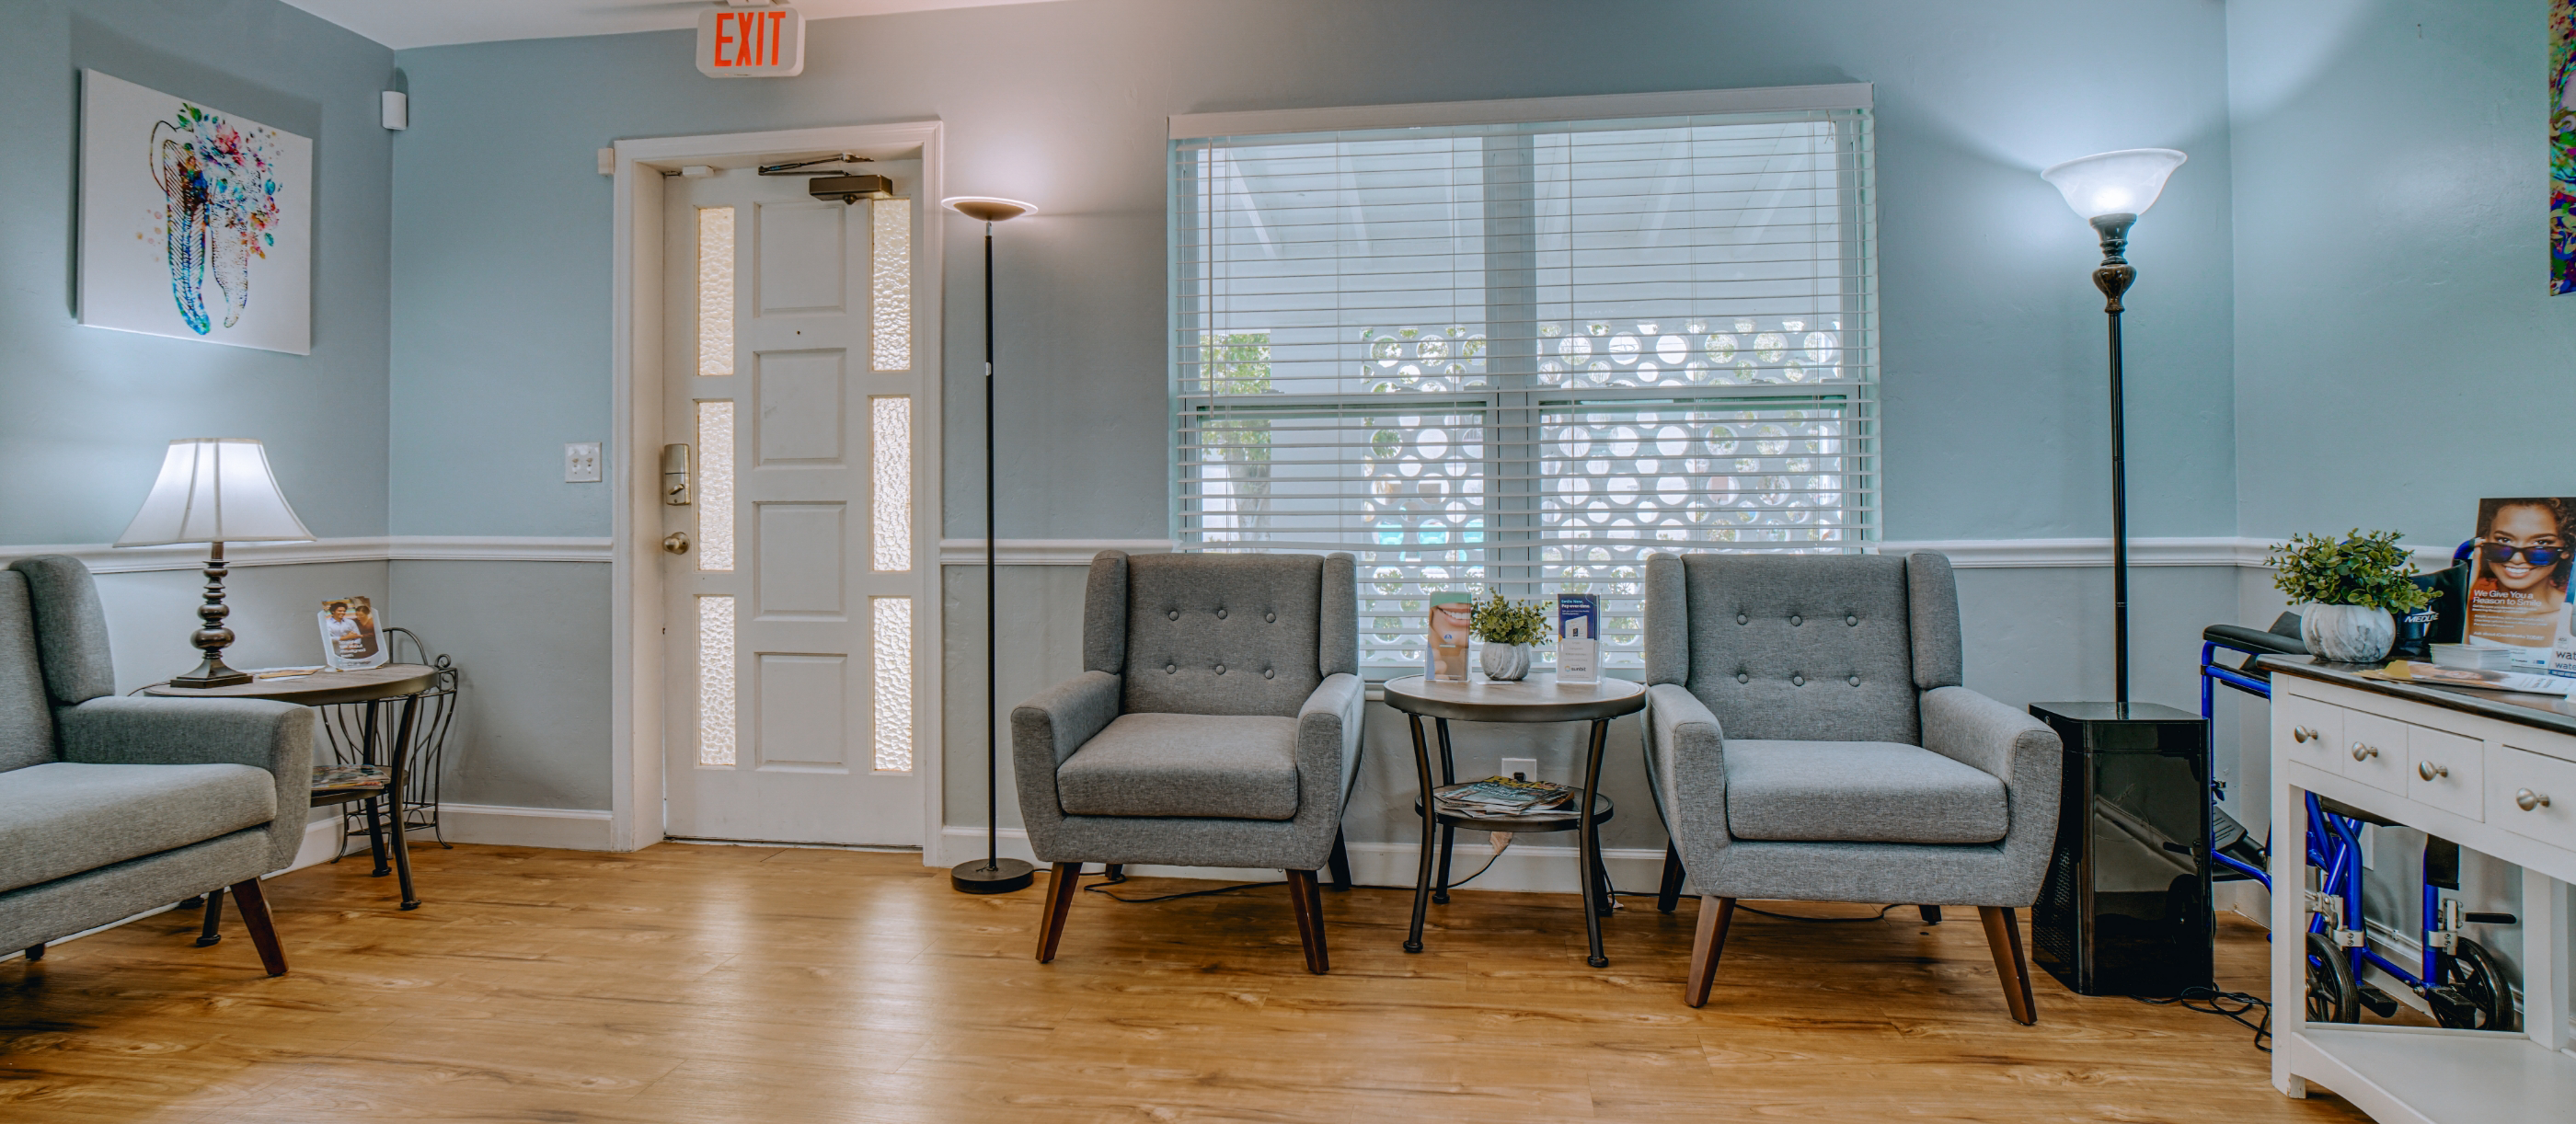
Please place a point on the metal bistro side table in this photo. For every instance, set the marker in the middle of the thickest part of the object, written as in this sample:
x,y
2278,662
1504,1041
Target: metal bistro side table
x,y
1540,698
403,681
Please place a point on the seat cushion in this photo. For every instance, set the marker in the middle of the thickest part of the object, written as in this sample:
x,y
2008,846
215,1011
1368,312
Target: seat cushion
x,y
1859,792
1235,767
62,818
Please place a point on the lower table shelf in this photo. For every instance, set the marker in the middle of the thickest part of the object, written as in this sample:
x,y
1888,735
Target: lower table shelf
x,y
2416,1074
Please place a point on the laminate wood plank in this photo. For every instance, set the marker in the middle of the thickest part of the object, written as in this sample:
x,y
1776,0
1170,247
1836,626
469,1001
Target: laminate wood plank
x,y
699,983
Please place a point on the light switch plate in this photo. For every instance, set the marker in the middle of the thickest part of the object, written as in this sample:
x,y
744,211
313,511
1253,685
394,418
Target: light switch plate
x,y
1521,768
581,462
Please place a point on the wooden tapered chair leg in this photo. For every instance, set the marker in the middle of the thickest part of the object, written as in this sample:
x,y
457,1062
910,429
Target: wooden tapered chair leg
x,y
1306,900
1669,895
1062,885
2003,938
1931,914
263,936
1714,914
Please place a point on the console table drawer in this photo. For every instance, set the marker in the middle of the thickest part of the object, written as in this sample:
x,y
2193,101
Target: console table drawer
x,y
2516,776
2312,730
2446,770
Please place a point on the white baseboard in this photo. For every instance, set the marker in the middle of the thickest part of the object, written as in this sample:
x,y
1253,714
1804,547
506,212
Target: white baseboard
x,y
1525,867
570,829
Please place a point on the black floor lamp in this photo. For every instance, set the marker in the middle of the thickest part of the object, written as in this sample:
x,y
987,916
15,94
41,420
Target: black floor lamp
x,y
991,874
2111,189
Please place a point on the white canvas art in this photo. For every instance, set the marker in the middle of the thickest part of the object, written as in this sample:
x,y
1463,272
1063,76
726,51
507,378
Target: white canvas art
x,y
195,222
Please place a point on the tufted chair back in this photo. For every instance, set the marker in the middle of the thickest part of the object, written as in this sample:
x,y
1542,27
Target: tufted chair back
x,y
1805,647
1220,633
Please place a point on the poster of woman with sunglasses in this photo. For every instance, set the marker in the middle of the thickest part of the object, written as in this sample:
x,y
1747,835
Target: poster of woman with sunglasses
x,y
2518,584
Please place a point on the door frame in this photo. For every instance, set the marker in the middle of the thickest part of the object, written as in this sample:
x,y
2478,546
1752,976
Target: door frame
x,y
636,617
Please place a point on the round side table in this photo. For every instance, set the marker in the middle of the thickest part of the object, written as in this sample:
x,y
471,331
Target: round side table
x,y
1539,698
404,681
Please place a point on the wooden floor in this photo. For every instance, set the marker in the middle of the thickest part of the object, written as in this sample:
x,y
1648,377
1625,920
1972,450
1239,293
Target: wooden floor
x,y
694,983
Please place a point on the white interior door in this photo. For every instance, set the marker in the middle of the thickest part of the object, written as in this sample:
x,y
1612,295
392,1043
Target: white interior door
x,y
794,643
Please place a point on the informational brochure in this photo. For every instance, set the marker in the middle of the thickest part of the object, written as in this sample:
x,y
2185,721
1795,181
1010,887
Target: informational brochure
x,y
1578,643
349,640
1451,621
2518,576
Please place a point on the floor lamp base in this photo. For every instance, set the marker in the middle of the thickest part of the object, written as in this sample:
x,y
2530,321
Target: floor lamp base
x,y
999,876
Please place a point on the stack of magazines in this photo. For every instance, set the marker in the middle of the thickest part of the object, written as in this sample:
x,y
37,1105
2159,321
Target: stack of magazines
x,y
1503,797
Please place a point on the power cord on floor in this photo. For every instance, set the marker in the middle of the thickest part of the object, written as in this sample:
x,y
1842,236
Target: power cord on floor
x,y
2211,1001
1101,886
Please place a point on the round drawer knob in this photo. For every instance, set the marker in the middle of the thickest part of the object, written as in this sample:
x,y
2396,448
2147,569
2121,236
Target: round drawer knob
x,y
1854,681
1174,615
1795,621
1741,677
1797,680
1741,618
2303,734
2362,752
2429,770
2527,800
1220,669
1220,614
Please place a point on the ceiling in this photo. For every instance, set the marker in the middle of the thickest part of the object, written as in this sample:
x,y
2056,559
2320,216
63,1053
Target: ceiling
x,y
428,23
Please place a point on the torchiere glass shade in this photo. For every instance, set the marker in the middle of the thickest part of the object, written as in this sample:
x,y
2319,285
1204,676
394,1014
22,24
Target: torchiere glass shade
x,y
2126,182
988,208
215,489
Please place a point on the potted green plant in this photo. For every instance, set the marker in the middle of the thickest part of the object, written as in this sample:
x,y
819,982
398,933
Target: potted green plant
x,y
1508,629
2347,588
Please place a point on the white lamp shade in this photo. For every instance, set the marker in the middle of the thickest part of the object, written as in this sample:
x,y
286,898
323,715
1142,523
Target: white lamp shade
x,y
215,489
2114,183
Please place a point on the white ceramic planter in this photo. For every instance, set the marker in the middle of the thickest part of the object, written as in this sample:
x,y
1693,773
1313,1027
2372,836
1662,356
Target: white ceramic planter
x,y
2347,633
1506,662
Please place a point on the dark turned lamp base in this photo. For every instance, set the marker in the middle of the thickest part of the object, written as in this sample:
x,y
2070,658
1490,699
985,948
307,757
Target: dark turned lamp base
x,y
996,876
212,638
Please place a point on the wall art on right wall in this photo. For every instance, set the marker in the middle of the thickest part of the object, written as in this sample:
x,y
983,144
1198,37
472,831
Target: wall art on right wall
x,y
2562,146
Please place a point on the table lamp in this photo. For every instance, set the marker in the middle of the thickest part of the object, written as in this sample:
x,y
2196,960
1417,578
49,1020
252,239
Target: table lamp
x,y
214,490
2111,189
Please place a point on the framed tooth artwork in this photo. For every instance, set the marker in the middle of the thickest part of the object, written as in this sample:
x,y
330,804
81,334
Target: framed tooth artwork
x,y
195,223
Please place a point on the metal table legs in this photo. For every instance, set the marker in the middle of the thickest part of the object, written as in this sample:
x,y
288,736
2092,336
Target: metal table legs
x,y
371,745
1431,882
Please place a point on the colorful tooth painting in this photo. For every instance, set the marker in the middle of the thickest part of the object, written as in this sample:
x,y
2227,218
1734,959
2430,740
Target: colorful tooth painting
x,y
195,222
2562,146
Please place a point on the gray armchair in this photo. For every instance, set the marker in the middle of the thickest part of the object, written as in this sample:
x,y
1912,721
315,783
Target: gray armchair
x,y
111,806
1808,739
1216,722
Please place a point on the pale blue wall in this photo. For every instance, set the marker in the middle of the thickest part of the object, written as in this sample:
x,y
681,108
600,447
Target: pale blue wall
x,y
2397,355
85,412
1992,363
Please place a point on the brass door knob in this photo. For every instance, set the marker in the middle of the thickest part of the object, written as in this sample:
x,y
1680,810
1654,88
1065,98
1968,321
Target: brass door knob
x,y
2303,733
2527,800
2429,770
677,542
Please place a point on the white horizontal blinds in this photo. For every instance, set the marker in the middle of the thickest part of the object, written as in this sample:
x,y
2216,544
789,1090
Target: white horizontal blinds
x,y
1525,355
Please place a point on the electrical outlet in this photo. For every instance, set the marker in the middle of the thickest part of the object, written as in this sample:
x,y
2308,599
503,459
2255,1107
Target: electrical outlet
x,y
1521,768
581,462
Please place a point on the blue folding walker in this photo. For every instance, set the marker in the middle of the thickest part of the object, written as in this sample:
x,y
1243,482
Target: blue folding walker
x,y
2470,993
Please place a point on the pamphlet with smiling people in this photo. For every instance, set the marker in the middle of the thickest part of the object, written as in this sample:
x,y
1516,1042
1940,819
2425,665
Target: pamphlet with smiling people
x,y
2518,588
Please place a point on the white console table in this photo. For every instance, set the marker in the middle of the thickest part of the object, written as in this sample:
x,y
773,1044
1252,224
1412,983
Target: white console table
x,y
2460,765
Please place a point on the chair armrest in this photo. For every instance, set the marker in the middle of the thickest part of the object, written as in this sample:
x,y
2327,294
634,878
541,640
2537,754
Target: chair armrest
x,y
2020,751
1047,729
267,735
2008,744
1686,754
1328,740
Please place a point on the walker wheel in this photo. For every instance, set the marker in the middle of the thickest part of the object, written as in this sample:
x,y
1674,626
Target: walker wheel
x,y
2332,995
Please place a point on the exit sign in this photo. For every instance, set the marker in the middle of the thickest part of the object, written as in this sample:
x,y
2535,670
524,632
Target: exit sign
x,y
751,42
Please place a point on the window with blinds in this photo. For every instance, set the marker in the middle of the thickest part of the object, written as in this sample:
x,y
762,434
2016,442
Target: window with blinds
x,y
1521,356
